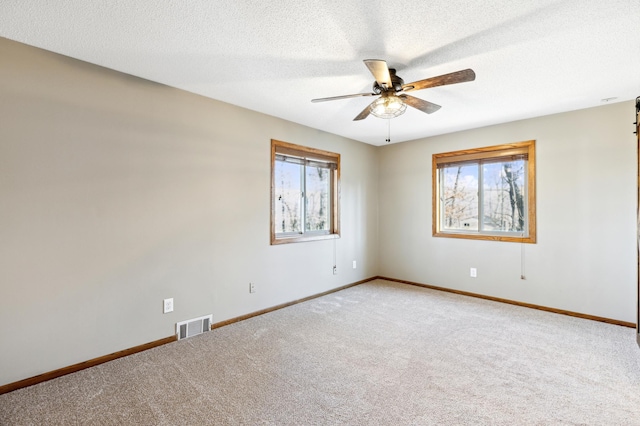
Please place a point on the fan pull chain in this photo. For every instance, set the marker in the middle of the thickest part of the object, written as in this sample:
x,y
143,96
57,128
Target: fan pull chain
x,y
523,276
388,130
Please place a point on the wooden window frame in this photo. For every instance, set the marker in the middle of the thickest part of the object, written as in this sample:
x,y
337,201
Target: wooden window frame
x,y
280,147
485,153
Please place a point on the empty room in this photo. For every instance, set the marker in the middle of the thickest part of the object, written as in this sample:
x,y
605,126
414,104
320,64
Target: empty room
x,y
319,213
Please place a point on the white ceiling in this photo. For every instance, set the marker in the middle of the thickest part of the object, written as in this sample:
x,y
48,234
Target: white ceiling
x,y
531,58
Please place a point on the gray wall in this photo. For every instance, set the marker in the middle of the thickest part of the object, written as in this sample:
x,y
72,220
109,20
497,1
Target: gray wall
x,y
585,258
117,193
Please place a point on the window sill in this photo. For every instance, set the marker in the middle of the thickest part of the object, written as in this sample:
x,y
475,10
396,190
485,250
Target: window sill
x,y
304,238
486,237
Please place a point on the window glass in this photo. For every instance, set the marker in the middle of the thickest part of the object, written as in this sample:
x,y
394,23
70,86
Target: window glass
x,y
504,196
460,197
288,195
317,198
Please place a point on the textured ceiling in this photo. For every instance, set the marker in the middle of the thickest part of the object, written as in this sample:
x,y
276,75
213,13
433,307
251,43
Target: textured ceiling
x,y
530,58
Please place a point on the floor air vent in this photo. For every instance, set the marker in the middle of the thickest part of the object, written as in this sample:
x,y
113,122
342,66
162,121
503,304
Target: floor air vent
x,y
193,327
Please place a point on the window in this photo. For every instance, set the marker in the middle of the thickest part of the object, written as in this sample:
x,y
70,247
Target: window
x,y
304,193
486,193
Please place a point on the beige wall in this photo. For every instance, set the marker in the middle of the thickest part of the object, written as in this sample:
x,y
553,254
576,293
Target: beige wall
x,y
116,193
585,258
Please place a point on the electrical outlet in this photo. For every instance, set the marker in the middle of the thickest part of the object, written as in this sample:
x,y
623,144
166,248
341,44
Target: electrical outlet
x,y
473,272
252,288
335,270
167,305
354,264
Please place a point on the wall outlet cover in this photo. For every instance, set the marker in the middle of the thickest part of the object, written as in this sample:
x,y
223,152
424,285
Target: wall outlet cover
x,y
167,305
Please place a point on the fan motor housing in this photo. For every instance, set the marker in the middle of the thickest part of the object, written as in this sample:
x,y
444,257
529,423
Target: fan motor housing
x,y
396,83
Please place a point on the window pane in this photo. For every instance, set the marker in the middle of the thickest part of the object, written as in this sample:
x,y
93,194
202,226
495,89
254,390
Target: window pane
x,y
288,193
503,196
460,197
317,208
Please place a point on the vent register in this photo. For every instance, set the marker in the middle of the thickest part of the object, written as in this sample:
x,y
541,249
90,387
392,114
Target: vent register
x,y
193,327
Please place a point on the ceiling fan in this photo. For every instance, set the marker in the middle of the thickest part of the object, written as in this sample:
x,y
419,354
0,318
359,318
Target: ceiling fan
x,y
389,86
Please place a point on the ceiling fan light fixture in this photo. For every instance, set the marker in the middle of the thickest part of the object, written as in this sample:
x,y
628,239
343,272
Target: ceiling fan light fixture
x,y
389,106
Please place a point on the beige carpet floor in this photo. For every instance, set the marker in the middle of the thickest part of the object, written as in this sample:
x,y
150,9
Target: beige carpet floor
x,y
380,353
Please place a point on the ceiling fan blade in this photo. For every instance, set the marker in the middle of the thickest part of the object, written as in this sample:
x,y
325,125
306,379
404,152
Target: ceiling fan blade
x,y
421,104
380,71
333,98
442,80
364,114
